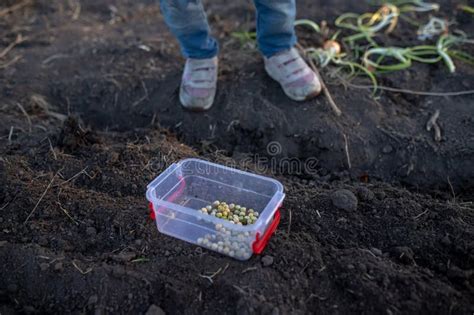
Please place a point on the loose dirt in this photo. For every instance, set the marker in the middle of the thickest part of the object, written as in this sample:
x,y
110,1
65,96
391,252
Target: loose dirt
x,y
90,115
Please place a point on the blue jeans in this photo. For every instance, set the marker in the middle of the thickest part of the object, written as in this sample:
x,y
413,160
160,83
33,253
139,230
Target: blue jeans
x,y
188,22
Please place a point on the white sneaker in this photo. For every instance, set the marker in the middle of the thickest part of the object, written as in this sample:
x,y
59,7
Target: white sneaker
x,y
296,78
198,85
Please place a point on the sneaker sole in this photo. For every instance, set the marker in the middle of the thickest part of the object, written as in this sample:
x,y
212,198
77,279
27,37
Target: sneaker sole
x,y
306,98
302,99
313,95
194,108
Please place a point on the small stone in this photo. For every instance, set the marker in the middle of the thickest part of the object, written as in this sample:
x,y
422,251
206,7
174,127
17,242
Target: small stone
x,y
155,310
91,231
344,199
44,266
387,149
380,195
267,260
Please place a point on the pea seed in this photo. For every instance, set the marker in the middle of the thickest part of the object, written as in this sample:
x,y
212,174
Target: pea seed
x,y
250,210
256,213
231,206
216,203
237,207
231,253
209,208
218,226
200,240
214,246
219,215
226,250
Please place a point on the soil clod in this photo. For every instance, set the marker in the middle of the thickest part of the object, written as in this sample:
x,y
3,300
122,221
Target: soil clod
x,y
344,199
44,266
365,194
93,299
403,254
58,266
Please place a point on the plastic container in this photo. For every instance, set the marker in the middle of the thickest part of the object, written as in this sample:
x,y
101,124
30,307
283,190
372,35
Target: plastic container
x,y
189,185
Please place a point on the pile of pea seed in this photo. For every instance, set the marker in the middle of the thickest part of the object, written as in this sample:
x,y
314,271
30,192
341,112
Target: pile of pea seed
x,y
231,212
229,242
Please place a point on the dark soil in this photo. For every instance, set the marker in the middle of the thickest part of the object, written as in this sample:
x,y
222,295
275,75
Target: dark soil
x,y
89,116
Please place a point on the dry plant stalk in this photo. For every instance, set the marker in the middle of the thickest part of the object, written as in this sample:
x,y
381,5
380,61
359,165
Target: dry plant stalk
x,y
326,92
15,7
433,124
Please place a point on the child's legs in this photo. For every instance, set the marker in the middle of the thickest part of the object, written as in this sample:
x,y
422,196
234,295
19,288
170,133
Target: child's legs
x,y
275,25
188,22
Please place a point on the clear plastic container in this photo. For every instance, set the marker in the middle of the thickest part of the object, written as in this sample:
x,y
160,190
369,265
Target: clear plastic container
x,y
189,185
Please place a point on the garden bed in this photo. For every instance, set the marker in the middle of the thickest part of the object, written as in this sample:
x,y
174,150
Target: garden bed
x,y
90,115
